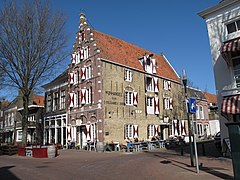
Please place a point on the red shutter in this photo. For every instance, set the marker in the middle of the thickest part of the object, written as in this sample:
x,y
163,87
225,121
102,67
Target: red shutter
x,y
73,58
156,130
183,128
170,103
69,133
148,131
156,105
83,96
82,36
81,53
169,85
71,103
83,73
135,131
155,83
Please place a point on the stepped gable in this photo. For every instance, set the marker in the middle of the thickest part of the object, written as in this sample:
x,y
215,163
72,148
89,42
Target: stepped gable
x,y
122,52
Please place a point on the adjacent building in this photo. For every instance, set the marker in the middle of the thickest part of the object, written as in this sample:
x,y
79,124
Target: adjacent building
x,y
223,24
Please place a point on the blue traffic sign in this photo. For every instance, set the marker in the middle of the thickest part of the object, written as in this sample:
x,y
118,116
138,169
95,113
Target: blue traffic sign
x,y
192,105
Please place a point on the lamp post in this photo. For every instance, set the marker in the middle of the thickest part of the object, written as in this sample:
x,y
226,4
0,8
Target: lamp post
x,y
184,80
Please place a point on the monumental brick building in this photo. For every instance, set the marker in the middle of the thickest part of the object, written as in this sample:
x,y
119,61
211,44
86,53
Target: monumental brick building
x,y
117,90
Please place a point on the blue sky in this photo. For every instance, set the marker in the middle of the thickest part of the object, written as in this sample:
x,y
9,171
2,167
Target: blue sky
x,y
170,27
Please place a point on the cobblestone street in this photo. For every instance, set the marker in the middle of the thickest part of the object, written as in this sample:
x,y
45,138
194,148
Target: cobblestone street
x,y
77,164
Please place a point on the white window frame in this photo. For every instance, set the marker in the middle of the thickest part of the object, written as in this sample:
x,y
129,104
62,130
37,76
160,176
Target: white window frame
x,y
151,129
235,24
19,135
88,96
62,99
12,118
197,112
49,103
86,52
128,75
88,71
129,131
201,112
55,101
128,97
150,105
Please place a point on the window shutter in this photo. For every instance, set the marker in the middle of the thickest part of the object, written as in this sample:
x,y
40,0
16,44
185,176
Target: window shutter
x,y
135,131
169,85
83,73
156,105
69,133
81,52
88,134
71,76
73,58
83,96
155,130
145,63
171,103
135,98
124,131
71,100
155,83
125,74
82,36
148,129
183,128
154,66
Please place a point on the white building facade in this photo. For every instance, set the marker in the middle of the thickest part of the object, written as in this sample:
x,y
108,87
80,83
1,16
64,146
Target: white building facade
x,y
223,24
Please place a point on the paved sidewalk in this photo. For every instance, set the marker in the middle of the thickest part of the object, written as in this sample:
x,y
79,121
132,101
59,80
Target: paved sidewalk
x,y
87,165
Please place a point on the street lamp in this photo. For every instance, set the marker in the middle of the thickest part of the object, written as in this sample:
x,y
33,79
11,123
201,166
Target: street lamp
x,y
184,81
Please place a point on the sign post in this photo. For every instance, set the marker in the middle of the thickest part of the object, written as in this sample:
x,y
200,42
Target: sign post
x,y
192,110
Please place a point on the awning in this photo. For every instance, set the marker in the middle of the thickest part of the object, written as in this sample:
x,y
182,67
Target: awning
x,y
231,105
230,47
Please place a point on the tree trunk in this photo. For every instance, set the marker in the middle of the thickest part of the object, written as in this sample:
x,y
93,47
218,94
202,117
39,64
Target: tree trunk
x,y
25,118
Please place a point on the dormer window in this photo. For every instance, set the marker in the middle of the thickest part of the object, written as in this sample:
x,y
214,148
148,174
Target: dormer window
x,y
148,62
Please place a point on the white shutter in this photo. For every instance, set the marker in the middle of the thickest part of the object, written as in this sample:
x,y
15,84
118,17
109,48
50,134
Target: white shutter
x,y
154,66
71,76
83,96
81,54
88,133
170,103
83,73
135,131
156,130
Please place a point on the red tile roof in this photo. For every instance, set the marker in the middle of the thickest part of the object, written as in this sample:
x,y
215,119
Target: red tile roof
x,y
38,100
122,52
211,98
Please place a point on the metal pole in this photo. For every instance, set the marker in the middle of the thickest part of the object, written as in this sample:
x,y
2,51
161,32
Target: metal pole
x,y
190,138
195,147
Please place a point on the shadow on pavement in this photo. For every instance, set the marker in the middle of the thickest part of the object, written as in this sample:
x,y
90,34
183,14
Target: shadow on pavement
x,y
182,165
6,174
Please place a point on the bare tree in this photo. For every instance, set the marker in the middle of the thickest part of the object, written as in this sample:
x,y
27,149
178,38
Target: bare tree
x,y
32,43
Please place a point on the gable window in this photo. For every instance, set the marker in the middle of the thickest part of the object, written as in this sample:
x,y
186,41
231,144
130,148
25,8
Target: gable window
x,y
128,75
129,98
233,27
62,99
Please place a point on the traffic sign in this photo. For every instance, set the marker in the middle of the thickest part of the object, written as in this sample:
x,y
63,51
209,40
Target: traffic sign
x,y
192,105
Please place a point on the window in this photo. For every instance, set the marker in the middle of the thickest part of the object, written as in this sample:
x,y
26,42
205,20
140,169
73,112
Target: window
x,y
88,72
150,105
55,101
151,131
168,103
197,112
89,95
19,135
233,27
201,112
31,118
1,113
62,99
236,70
129,131
49,103
128,98
13,118
9,119
128,75
149,84
86,52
